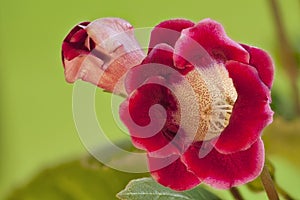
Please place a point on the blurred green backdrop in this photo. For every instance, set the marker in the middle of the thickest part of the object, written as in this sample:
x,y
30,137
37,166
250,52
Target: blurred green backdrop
x,y
36,123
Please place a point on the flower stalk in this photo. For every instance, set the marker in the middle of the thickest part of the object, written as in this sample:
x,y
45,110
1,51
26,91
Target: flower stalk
x,y
268,184
236,193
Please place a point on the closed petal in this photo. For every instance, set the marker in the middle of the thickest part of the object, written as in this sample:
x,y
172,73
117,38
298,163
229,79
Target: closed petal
x,y
101,52
224,171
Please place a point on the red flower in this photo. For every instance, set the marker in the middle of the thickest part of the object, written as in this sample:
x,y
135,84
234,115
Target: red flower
x,y
197,103
214,96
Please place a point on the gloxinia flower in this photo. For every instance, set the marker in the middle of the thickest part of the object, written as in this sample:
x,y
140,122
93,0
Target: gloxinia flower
x,y
220,85
197,103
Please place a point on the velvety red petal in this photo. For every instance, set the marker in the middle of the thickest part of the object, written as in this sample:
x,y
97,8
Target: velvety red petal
x,y
251,111
172,173
263,63
188,53
168,32
151,127
161,54
226,170
159,62
212,37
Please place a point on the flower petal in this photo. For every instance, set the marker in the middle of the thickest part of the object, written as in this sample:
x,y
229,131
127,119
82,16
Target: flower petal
x,y
159,62
251,111
168,32
161,54
151,127
263,64
172,172
226,170
212,37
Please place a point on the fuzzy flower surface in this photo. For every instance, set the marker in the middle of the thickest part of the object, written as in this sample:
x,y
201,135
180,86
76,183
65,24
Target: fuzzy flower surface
x,y
197,103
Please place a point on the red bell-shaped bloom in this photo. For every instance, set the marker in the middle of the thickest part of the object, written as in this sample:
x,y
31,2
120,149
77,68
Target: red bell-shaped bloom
x,y
214,95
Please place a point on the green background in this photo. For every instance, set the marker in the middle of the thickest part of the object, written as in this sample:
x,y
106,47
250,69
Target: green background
x,y
36,122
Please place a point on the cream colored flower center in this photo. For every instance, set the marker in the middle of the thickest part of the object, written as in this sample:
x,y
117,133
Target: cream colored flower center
x,y
215,94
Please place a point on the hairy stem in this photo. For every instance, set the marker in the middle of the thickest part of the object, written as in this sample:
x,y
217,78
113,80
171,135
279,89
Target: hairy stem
x,y
287,55
268,184
236,193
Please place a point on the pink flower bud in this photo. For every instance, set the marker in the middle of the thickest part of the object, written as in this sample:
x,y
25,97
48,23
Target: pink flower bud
x,y
101,52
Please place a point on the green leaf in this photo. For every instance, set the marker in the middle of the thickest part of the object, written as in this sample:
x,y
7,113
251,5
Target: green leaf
x,y
82,179
148,189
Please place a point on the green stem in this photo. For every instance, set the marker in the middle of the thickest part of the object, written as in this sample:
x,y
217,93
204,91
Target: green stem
x,y
268,184
236,193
